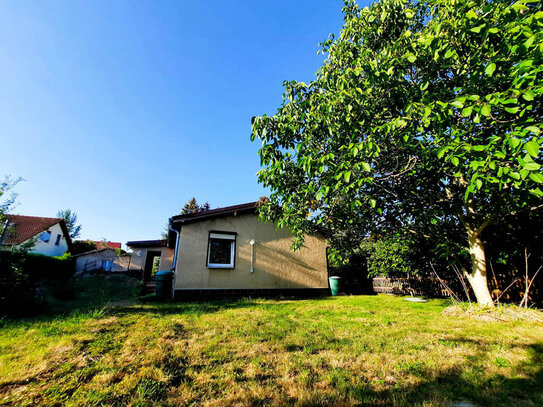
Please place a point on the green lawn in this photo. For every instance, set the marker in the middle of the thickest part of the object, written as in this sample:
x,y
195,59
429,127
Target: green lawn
x,y
358,350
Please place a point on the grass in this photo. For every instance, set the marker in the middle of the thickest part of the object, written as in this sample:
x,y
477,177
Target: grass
x,y
358,350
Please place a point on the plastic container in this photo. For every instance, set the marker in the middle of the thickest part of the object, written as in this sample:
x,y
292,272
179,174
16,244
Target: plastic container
x,y
334,285
163,280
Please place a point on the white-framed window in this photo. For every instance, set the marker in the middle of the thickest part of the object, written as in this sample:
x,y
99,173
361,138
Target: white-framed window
x,y
221,250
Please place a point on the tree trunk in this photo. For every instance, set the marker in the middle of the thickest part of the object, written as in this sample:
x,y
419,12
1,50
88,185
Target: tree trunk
x,y
477,277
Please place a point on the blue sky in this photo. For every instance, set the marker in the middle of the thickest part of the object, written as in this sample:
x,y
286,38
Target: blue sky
x,y
124,110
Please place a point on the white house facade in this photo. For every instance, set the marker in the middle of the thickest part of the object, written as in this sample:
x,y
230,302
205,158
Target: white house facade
x,y
49,236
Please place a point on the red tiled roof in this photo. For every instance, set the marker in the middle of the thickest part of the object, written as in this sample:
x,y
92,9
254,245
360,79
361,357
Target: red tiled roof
x,y
101,244
26,227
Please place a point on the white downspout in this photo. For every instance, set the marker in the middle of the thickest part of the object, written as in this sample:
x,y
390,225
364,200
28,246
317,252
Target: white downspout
x,y
175,251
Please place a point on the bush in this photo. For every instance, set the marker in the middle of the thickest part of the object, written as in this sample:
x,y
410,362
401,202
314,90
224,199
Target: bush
x,y
38,266
80,246
20,276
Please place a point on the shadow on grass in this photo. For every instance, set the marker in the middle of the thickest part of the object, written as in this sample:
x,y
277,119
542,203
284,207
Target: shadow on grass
x,y
193,308
463,384
80,294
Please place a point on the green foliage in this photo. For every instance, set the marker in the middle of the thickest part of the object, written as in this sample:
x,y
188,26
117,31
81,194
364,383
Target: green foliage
x,y
20,275
80,246
424,113
156,266
388,257
70,219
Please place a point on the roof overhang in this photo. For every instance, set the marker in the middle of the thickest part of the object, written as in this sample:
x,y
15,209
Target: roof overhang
x,y
147,243
234,210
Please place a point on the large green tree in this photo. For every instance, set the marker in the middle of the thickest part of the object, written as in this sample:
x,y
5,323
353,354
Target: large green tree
x,y
424,113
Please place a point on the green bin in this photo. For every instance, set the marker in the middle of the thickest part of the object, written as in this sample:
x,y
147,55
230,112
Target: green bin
x,y
163,281
334,284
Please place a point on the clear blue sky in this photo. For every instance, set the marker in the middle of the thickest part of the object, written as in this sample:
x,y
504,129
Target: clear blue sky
x,y
124,110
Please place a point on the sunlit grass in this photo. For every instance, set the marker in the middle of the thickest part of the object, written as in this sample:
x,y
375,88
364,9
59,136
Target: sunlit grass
x,y
376,350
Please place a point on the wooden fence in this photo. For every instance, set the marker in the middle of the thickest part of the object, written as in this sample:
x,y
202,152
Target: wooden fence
x,y
427,286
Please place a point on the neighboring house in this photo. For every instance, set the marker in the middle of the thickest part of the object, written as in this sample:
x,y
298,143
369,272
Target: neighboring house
x,y
144,253
228,251
101,244
100,259
50,235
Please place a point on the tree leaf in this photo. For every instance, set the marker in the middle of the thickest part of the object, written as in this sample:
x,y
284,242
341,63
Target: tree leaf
x,y
457,104
490,68
511,109
471,14
411,58
533,129
532,148
455,161
467,111
529,95
366,167
537,177
531,166
485,110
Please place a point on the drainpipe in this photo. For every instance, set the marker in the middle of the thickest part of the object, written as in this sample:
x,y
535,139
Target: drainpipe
x,y
175,250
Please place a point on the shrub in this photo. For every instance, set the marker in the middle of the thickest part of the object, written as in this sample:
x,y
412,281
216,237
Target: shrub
x,y
20,276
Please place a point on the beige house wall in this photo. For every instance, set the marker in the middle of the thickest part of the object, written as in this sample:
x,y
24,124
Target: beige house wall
x,y
138,262
275,265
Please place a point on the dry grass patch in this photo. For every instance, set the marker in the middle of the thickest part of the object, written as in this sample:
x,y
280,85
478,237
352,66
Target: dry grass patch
x,y
338,351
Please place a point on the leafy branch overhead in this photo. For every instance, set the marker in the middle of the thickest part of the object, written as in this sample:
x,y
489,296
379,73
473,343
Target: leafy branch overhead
x,y
423,111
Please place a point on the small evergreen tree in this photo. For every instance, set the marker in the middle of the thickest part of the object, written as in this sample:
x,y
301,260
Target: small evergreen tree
x,y
192,207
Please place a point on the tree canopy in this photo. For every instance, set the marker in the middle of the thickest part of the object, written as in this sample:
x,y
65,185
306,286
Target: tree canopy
x,y
192,206
70,219
425,114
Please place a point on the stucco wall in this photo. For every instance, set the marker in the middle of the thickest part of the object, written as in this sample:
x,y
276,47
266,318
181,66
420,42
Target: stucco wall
x,y
275,265
93,261
49,248
138,262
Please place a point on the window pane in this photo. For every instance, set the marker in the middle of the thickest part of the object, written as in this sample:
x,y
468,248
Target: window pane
x,y
220,251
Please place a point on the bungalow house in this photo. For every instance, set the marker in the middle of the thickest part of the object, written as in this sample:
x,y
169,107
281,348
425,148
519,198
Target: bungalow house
x,y
49,236
144,253
229,251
